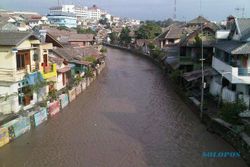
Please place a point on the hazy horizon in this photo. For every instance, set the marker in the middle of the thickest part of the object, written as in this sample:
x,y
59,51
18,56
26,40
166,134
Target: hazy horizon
x,y
143,9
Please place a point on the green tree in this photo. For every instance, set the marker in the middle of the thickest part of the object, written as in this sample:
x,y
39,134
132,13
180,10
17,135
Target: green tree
x,y
124,36
230,111
113,37
148,31
197,40
85,31
63,28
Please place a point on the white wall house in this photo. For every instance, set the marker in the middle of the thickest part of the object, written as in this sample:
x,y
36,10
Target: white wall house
x,y
232,62
21,57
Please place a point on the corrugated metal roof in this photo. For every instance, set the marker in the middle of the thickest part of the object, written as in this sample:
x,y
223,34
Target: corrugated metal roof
x,y
244,49
228,46
244,27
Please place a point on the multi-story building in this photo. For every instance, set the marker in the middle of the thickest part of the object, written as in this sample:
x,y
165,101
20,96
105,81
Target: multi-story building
x,y
94,13
63,19
81,13
63,8
24,64
232,61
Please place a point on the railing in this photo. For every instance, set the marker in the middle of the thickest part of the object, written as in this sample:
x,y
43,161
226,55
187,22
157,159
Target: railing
x,y
49,71
244,72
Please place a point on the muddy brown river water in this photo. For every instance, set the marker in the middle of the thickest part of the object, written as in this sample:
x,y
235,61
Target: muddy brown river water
x,y
129,117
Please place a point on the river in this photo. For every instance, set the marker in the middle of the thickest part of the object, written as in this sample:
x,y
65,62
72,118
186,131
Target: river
x,y
129,117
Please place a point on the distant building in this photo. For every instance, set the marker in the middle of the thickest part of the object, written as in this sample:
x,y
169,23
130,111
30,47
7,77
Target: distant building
x,y
81,13
63,19
94,13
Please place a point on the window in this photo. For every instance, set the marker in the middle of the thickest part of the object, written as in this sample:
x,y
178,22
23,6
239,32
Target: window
x,y
22,59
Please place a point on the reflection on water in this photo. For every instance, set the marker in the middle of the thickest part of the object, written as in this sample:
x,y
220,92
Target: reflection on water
x,y
130,117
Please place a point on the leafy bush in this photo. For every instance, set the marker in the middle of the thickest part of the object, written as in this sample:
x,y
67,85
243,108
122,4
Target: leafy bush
x,y
77,80
157,53
175,76
89,73
52,95
229,112
104,50
90,59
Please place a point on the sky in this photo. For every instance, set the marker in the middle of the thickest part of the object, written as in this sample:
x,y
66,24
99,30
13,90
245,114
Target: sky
x,y
215,10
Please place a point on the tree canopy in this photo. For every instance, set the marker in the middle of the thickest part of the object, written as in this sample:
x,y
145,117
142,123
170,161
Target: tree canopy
x,y
124,36
148,31
113,37
85,31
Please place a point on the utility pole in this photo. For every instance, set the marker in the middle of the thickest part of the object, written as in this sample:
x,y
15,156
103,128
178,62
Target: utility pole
x,y
202,70
202,76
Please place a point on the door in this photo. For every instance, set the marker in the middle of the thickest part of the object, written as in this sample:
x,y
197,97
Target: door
x,y
244,61
27,59
45,60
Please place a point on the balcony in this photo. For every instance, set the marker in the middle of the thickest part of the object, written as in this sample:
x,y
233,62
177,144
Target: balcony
x,y
233,74
49,71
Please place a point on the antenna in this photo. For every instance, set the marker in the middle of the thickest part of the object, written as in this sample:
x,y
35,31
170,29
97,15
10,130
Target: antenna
x,y
242,10
58,2
174,17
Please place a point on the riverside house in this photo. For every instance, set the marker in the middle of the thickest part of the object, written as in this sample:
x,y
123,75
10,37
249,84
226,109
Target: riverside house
x,y
232,61
81,40
24,63
172,35
202,34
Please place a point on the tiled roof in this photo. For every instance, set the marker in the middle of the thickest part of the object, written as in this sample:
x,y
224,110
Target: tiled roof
x,y
56,60
207,43
199,20
58,33
86,63
194,75
14,38
87,51
81,37
72,54
65,53
175,32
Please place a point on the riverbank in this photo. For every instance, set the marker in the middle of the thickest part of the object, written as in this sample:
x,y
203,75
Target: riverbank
x,y
130,116
239,140
15,125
